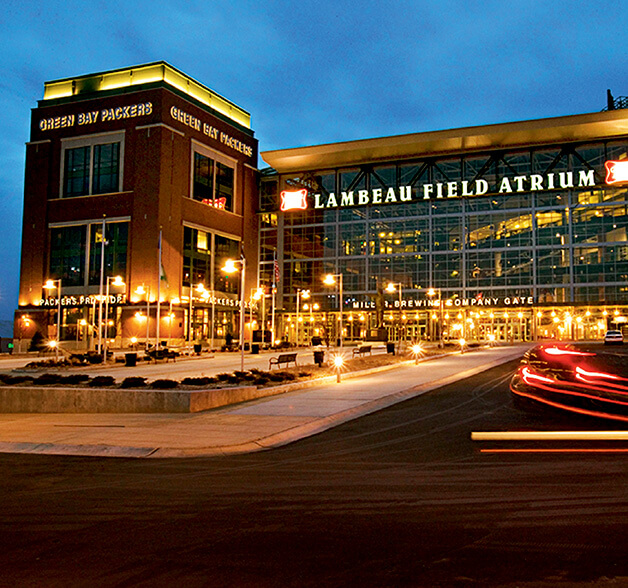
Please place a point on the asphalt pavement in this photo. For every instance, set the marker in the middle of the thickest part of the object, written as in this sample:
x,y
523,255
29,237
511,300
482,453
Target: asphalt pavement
x,y
241,428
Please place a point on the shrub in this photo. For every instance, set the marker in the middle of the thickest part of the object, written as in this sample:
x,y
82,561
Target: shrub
x,y
224,377
102,381
201,381
74,379
19,379
164,384
37,342
52,363
244,375
304,374
275,377
47,379
133,382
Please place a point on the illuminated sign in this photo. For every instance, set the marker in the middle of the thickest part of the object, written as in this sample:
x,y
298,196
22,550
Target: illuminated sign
x,y
616,172
94,116
416,303
295,200
198,125
81,300
457,189
218,203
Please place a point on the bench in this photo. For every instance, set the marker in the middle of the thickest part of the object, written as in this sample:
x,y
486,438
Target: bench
x,y
160,354
284,358
362,350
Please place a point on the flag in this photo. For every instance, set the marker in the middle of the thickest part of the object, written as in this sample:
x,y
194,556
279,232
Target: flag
x,y
277,272
162,275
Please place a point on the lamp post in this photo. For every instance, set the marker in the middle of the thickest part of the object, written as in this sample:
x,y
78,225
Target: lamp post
x,y
50,285
301,294
141,291
256,294
115,281
230,268
391,288
200,288
431,292
330,280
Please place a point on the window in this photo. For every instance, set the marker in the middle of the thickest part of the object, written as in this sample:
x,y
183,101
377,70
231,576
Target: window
x,y
196,257
92,165
203,265
213,181
75,252
116,241
67,254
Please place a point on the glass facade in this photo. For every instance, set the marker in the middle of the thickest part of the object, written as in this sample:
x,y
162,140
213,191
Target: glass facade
x,y
204,267
536,223
75,252
213,182
91,169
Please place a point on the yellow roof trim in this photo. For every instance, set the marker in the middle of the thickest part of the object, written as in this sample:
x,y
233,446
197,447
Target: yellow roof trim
x,y
146,74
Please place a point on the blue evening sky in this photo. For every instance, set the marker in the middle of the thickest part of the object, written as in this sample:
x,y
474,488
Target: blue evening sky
x,y
314,72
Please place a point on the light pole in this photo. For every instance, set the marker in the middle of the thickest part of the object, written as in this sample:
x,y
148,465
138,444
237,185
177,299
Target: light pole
x,y
230,268
200,288
330,280
391,288
115,281
141,291
256,294
301,294
50,285
431,292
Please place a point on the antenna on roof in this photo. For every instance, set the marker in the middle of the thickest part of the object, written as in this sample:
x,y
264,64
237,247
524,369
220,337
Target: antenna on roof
x,y
610,101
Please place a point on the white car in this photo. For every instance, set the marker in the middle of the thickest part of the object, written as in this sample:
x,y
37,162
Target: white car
x,y
613,338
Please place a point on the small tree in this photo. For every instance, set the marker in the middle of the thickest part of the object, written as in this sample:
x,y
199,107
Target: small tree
x,y
37,342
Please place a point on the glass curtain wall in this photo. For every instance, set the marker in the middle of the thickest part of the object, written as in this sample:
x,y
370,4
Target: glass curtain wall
x,y
559,246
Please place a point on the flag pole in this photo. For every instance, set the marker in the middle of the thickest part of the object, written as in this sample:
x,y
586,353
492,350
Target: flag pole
x,y
102,279
158,294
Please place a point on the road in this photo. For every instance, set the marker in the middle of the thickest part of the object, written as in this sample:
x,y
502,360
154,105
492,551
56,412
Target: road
x,y
402,497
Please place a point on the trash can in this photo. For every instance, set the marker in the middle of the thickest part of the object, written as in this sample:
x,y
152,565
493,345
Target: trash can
x,y
319,357
130,359
254,348
390,348
197,348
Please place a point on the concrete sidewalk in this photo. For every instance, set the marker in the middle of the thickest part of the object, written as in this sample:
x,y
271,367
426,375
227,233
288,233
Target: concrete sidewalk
x,y
242,428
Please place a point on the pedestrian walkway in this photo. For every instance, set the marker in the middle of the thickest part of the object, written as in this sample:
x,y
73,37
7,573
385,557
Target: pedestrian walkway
x,y
247,427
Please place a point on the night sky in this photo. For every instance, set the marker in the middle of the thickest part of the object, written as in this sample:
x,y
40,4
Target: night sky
x,y
316,72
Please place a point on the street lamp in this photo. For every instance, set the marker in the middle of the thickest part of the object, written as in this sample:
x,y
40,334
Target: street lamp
x,y
431,292
330,280
230,267
200,288
301,294
392,288
115,281
256,294
141,291
50,285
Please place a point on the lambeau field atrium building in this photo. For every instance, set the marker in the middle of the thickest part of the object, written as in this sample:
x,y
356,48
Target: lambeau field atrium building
x,y
513,231
141,183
